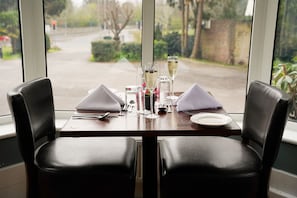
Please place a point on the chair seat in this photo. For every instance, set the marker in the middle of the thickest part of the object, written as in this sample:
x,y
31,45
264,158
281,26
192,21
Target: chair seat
x,y
96,155
208,167
218,155
101,166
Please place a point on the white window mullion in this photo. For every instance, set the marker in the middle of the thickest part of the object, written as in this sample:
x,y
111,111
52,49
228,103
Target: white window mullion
x,y
33,45
148,16
262,41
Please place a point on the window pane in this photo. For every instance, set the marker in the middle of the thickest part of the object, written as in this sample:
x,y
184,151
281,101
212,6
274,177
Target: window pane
x,y
88,47
10,51
284,73
217,57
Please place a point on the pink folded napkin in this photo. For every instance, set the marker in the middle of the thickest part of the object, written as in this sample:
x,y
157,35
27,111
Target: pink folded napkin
x,y
195,98
101,99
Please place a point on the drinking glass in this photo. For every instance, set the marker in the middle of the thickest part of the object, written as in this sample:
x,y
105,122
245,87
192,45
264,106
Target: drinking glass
x,y
140,81
150,77
172,62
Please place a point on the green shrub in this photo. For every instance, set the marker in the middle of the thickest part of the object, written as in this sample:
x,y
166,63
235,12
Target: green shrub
x,y
131,51
174,43
285,77
160,49
7,53
104,51
107,38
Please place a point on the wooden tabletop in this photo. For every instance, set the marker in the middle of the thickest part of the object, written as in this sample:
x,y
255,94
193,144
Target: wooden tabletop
x,y
133,124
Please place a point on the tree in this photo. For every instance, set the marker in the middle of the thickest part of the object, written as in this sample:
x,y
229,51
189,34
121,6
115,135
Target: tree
x,y
118,16
185,33
54,7
10,26
197,37
286,37
8,5
183,6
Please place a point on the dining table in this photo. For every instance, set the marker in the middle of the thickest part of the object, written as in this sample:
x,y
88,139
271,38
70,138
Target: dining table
x,y
150,130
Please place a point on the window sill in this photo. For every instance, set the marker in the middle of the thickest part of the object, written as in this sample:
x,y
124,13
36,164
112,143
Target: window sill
x,y
7,128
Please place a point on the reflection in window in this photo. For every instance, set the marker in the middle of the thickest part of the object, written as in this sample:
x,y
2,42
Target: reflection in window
x,y
285,52
212,40
10,51
91,42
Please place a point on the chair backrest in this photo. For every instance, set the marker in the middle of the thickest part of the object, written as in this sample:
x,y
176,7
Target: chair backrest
x,y
265,116
32,108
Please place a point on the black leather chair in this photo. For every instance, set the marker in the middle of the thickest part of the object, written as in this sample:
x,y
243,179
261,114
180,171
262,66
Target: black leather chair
x,y
65,166
213,166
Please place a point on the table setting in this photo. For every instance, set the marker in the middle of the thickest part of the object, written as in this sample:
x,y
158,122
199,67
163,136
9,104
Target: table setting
x,y
153,97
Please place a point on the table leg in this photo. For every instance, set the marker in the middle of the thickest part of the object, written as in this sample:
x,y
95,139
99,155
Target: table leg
x,y
149,151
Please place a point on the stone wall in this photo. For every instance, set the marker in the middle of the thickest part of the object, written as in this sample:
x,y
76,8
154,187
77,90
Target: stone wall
x,y
226,41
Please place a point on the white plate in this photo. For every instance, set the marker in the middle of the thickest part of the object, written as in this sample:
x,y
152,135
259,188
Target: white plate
x,y
211,119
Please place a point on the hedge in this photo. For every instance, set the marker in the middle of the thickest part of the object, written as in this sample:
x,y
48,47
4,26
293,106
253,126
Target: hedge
x,y
104,51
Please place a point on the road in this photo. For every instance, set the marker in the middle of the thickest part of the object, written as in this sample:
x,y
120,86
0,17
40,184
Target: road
x,y
73,74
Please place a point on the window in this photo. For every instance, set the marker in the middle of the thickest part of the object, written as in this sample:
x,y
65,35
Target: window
x,y
34,21
74,32
10,51
260,58
92,43
212,40
284,73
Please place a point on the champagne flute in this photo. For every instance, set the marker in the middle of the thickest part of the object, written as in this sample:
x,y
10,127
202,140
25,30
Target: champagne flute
x,y
172,62
150,77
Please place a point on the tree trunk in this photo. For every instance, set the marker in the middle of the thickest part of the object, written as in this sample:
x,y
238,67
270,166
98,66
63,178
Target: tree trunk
x,y
183,28
186,26
195,50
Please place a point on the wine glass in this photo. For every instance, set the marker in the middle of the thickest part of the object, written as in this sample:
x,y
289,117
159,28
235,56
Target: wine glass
x,y
172,62
150,77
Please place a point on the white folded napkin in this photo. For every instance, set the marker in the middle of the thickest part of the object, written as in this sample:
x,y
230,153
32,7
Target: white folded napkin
x,y
195,98
101,99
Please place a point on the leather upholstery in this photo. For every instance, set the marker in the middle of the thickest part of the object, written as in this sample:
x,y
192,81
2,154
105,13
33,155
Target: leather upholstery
x,y
227,167
66,166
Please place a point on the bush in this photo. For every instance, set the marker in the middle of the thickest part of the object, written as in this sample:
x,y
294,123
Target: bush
x,y
160,49
131,51
104,51
174,43
285,78
107,38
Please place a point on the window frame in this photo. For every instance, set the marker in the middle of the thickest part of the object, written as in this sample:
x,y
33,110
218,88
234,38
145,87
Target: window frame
x,y
261,52
33,39
260,60
262,41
